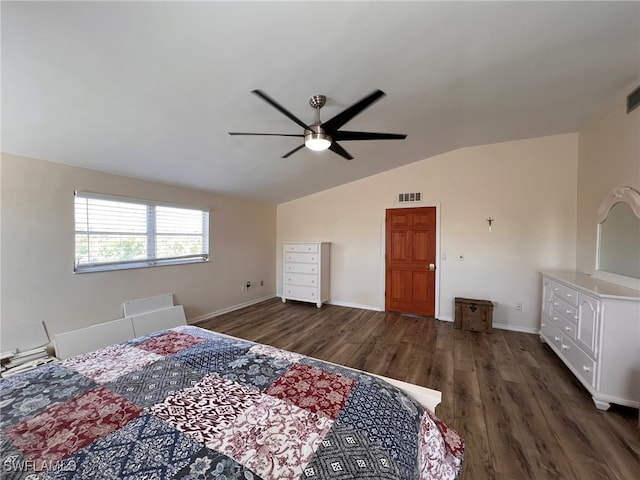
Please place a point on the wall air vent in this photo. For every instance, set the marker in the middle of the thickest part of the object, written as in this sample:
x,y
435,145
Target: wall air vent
x,y
633,100
409,197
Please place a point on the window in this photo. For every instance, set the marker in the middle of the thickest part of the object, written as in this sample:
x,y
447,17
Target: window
x,y
116,233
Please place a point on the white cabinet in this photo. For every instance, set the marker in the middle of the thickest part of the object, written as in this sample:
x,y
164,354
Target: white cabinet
x,y
594,327
305,271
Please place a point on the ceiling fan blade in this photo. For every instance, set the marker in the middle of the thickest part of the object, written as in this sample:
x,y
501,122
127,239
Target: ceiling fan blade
x,y
336,148
279,107
269,134
293,151
344,135
339,120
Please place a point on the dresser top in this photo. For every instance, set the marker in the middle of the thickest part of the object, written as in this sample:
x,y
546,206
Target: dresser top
x,y
304,243
598,286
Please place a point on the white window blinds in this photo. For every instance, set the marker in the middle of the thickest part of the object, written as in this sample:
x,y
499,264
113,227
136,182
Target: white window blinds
x,y
118,232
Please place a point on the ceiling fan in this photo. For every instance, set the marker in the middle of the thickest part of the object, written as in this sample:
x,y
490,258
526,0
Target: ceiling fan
x,y
325,135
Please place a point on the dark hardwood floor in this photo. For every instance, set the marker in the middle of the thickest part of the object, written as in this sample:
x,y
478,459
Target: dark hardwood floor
x,y
522,413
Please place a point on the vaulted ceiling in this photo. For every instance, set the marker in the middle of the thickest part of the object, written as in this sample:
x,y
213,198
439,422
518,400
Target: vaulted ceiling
x,y
151,89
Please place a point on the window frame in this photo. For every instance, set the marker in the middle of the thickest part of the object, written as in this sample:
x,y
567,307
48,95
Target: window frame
x,y
151,235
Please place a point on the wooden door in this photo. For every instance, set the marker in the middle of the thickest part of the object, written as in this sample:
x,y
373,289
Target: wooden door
x,y
410,258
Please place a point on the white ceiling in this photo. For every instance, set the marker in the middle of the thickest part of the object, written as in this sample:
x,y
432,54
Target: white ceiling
x,y
150,89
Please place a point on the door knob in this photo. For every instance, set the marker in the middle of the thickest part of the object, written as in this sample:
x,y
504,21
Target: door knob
x,y
431,267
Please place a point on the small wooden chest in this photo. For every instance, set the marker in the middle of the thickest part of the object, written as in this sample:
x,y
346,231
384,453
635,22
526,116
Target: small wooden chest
x,y
475,315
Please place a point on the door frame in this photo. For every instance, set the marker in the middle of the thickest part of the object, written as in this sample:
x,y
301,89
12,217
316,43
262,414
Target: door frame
x,y
383,243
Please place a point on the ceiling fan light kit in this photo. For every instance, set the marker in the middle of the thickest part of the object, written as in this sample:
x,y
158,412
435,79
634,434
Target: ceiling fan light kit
x,y
315,139
321,136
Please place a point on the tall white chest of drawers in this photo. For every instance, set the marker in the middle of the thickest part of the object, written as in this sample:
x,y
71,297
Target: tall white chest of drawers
x,y
305,271
594,327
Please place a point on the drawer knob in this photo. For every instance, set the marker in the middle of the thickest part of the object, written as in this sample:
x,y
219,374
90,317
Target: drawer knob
x,y
568,311
543,325
557,339
556,289
569,295
565,347
568,329
555,318
585,368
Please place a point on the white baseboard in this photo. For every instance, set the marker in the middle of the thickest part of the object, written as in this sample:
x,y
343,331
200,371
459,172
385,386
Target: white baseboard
x,y
207,316
356,305
515,328
503,326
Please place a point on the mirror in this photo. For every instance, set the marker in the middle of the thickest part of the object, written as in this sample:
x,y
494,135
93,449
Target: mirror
x,y
619,234
620,242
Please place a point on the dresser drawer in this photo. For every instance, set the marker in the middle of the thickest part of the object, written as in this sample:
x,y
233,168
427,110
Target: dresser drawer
x,y
583,365
566,293
293,247
552,334
565,310
301,257
300,279
565,326
568,328
297,291
556,319
300,268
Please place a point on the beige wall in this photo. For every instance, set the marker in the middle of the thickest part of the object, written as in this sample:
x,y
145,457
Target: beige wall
x,y
37,250
529,187
543,194
609,156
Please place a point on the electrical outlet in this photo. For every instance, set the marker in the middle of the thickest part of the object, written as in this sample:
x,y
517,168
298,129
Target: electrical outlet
x,y
518,307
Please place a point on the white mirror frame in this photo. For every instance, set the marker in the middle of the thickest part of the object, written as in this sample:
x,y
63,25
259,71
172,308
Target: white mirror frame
x,y
631,197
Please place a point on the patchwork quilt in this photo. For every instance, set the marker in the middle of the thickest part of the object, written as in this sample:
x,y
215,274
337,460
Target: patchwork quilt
x,y
187,403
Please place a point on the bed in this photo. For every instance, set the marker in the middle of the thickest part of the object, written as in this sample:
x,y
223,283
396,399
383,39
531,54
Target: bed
x,y
188,403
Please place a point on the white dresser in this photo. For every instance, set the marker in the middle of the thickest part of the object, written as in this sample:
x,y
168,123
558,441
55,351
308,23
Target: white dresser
x,y
594,327
305,271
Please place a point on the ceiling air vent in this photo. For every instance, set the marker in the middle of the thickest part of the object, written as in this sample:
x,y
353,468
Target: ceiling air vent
x,y
409,197
633,100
